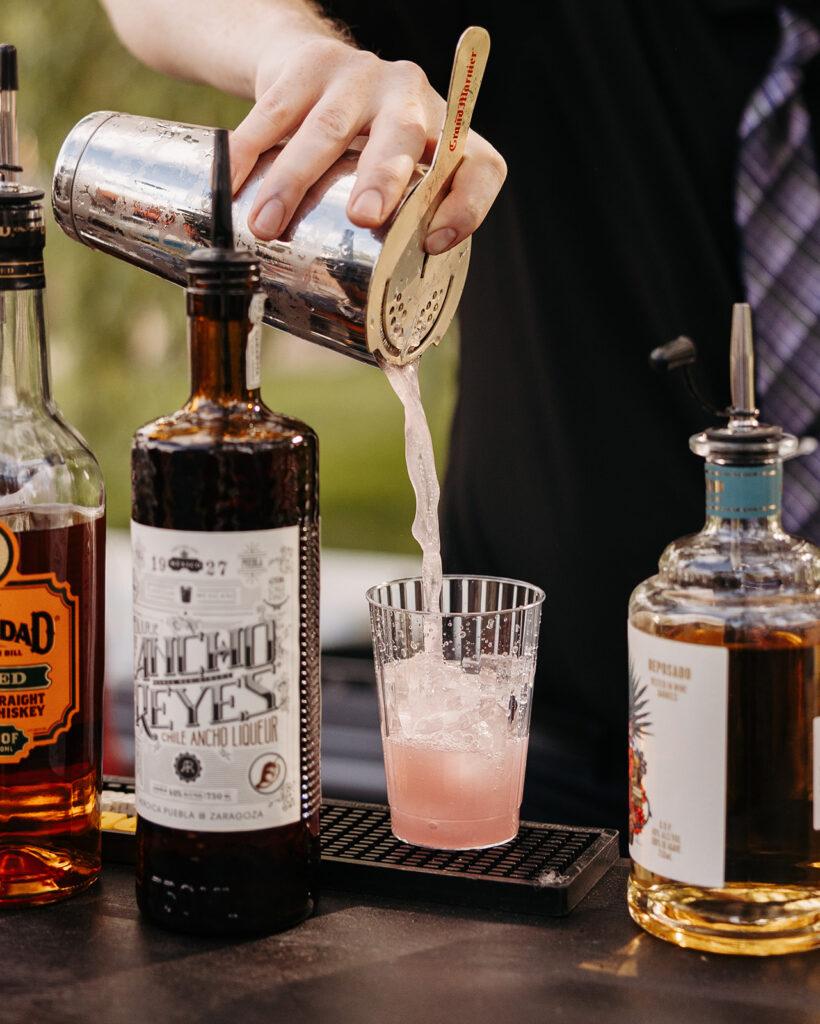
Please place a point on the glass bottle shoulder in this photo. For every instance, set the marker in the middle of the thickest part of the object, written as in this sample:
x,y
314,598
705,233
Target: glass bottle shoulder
x,y
44,461
205,424
722,585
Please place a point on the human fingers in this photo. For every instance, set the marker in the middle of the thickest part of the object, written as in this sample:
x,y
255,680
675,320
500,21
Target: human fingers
x,y
278,111
476,183
398,137
328,96
324,135
257,133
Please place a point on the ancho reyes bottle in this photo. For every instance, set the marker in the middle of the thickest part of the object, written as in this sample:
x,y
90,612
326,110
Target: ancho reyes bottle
x,y
725,707
225,540
52,543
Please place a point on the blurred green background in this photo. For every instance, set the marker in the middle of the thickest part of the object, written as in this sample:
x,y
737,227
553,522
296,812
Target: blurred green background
x,y
117,334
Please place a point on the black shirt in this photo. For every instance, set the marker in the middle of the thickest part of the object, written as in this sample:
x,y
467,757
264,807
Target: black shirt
x,y
569,464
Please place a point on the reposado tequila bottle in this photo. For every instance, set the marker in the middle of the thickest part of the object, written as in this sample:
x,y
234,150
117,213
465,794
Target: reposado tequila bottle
x,y
724,651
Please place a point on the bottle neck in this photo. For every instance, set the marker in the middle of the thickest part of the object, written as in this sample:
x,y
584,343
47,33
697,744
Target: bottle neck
x,y
24,374
224,352
746,497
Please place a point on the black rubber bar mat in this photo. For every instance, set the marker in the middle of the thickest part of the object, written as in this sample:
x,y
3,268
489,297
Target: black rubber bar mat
x,y
546,869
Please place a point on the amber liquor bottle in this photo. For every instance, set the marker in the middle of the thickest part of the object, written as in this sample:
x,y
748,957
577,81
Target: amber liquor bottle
x,y
725,707
225,541
52,537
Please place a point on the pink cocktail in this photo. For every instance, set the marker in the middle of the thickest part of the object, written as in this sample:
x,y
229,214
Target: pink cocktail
x,y
455,693
454,799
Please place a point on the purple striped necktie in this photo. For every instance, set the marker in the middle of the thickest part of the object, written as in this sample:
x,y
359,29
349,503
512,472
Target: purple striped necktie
x,y
778,213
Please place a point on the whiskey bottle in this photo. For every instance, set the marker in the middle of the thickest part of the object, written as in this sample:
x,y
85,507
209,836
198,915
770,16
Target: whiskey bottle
x,y
724,650
225,541
52,537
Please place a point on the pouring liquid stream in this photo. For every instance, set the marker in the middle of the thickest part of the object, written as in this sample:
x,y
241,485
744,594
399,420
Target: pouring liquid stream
x,y
421,468
454,767
465,80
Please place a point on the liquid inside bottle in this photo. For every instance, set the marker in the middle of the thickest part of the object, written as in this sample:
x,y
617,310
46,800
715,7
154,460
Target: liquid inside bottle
x,y
725,712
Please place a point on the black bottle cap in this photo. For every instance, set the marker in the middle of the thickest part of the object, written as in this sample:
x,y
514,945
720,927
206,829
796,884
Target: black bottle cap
x,y
22,238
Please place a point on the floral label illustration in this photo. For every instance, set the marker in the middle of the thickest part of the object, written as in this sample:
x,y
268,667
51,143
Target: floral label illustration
x,y
39,655
639,727
677,758
216,675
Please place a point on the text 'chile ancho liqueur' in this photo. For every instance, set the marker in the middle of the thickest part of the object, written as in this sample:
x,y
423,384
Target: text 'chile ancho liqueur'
x,y
225,542
52,536
724,651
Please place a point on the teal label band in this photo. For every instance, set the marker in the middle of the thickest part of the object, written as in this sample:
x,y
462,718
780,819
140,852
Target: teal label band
x,y
743,492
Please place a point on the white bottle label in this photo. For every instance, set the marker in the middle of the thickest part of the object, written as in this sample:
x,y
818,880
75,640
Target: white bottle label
x,y
253,351
677,758
816,773
216,676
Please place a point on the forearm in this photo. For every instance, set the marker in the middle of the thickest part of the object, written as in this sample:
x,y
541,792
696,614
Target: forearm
x,y
218,42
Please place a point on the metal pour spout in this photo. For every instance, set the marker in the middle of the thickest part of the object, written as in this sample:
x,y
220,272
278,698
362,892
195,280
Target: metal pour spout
x,y
744,440
221,209
742,364
9,168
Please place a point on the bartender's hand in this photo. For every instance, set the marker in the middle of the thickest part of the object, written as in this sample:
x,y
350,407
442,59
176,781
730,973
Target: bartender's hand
x,y
310,84
324,96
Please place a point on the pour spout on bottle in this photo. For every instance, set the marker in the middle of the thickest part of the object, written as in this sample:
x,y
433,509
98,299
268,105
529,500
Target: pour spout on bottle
x,y
222,212
742,367
9,168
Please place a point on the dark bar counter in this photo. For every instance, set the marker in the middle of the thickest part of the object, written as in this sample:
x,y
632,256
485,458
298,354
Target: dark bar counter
x,y
92,959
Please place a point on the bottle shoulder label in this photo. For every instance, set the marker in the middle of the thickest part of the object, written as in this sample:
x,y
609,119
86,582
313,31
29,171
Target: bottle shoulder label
x,y
678,706
39,655
253,350
217,678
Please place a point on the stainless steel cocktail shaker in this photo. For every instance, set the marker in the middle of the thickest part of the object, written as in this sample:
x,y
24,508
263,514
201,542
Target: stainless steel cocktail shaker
x,y
139,189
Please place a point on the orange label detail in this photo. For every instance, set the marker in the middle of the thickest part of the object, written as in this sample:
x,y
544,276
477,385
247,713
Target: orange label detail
x,y
39,655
